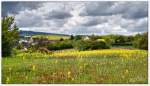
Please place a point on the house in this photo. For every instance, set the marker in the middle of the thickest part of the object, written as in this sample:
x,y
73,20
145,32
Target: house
x,y
86,38
26,41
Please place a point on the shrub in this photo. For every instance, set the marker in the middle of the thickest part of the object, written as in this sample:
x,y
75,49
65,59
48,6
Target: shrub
x,y
60,45
20,46
99,44
91,45
81,45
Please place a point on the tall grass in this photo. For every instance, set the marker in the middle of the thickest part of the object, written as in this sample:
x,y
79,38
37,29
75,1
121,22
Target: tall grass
x,y
97,66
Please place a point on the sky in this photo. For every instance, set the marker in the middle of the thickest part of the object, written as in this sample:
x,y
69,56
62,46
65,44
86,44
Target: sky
x,y
84,18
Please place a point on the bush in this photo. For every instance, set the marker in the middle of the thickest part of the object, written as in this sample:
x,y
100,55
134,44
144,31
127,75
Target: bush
x,y
81,45
91,45
60,45
20,46
99,44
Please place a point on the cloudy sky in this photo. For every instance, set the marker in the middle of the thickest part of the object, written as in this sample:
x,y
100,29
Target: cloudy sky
x,y
79,17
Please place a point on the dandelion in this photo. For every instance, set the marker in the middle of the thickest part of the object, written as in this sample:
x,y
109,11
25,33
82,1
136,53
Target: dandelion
x,y
69,74
26,77
126,71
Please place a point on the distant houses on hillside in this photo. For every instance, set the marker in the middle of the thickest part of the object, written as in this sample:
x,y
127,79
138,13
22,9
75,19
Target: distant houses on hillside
x,y
27,41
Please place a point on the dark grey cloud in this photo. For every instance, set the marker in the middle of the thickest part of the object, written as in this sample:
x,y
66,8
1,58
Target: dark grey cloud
x,y
29,20
92,21
97,9
126,9
136,10
58,14
14,7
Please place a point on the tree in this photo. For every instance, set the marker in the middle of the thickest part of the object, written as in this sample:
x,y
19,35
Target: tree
x,y
78,37
71,37
120,39
9,35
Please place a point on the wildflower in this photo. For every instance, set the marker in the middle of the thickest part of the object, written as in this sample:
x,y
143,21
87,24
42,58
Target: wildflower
x,y
33,67
126,71
54,74
7,80
111,62
10,69
123,76
65,60
72,79
56,61
26,77
69,73
80,67
23,57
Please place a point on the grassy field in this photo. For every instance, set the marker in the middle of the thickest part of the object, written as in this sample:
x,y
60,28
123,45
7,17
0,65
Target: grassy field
x,y
71,66
51,37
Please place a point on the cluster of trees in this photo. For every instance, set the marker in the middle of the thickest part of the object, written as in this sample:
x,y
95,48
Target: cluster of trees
x,y
10,37
141,41
98,42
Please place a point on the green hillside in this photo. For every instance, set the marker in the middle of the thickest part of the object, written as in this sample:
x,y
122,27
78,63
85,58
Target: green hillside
x,y
51,37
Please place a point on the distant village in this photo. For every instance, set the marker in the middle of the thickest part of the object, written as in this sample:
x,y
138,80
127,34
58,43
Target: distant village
x,y
27,41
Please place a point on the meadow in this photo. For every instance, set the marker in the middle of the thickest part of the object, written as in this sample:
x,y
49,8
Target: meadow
x,y
51,37
73,66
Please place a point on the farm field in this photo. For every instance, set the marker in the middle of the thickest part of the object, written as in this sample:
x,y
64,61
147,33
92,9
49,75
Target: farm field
x,y
72,66
51,37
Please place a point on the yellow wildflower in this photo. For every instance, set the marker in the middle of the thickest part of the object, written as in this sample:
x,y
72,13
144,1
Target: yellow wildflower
x,y
72,79
80,67
26,77
126,71
69,73
33,67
